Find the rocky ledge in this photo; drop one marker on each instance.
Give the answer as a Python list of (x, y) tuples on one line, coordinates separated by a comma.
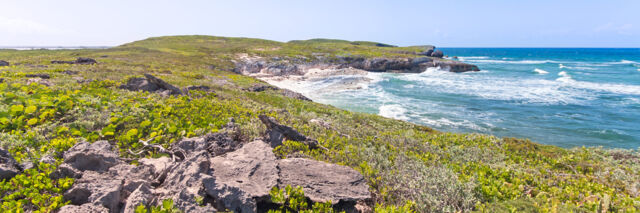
[(278, 67), (203, 174)]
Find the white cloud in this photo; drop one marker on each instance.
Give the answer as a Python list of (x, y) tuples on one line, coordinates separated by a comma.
[(23, 26), (622, 29)]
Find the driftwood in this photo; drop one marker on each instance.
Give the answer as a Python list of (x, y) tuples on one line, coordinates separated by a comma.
[(150, 147)]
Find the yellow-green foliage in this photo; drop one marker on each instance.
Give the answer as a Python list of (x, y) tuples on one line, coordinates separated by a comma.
[(166, 207), (408, 167), (292, 199)]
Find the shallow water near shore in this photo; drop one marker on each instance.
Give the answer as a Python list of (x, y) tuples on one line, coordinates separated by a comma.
[(559, 96)]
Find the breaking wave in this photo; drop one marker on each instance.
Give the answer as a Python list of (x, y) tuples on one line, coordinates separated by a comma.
[(539, 71)]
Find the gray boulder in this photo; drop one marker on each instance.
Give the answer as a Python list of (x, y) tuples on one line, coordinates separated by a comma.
[(8, 166), (324, 182), (437, 54), (4, 63), (98, 156), (243, 177)]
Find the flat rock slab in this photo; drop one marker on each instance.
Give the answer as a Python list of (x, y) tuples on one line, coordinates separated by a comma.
[(244, 175), (323, 181)]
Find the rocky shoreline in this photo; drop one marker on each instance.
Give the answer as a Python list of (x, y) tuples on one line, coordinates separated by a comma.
[(286, 73), (280, 67)]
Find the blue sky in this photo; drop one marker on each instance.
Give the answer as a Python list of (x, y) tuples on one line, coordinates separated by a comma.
[(488, 23)]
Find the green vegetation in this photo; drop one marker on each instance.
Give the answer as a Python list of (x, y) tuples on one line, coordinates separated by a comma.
[(166, 207), (407, 166), (293, 200)]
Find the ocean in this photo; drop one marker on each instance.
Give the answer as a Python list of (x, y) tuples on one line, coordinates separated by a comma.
[(561, 96)]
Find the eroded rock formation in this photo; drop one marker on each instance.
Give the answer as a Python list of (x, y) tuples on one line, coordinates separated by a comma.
[(211, 173), (264, 68)]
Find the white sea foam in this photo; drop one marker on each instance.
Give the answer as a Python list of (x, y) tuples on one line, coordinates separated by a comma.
[(465, 58), (563, 90), (491, 61), (444, 122), (539, 71), (562, 66), (627, 62), (395, 111)]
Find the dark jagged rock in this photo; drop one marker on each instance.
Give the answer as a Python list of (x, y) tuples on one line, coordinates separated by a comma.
[(456, 66), (8, 166), (292, 94), (427, 50), (69, 72), (38, 75), (260, 88), (81, 80), (277, 133), (79, 60), (150, 83), (4, 63), (284, 92), (200, 88), (437, 54)]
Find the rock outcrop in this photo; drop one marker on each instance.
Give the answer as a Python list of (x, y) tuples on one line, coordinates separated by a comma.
[(4, 63), (38, 75), (284, 92), (8, 166), (277, 133), (79, 60), (151, 83), (211, 173), (244, 177), (262, 68), (437, 54), (322, 181)]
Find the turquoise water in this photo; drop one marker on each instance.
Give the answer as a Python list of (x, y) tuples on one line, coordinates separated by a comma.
[(565, 97)]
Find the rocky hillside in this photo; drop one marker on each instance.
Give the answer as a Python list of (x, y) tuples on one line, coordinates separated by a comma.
[(169, 124)]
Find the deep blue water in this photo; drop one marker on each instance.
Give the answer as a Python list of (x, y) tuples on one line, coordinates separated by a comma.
[(561, 96)]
